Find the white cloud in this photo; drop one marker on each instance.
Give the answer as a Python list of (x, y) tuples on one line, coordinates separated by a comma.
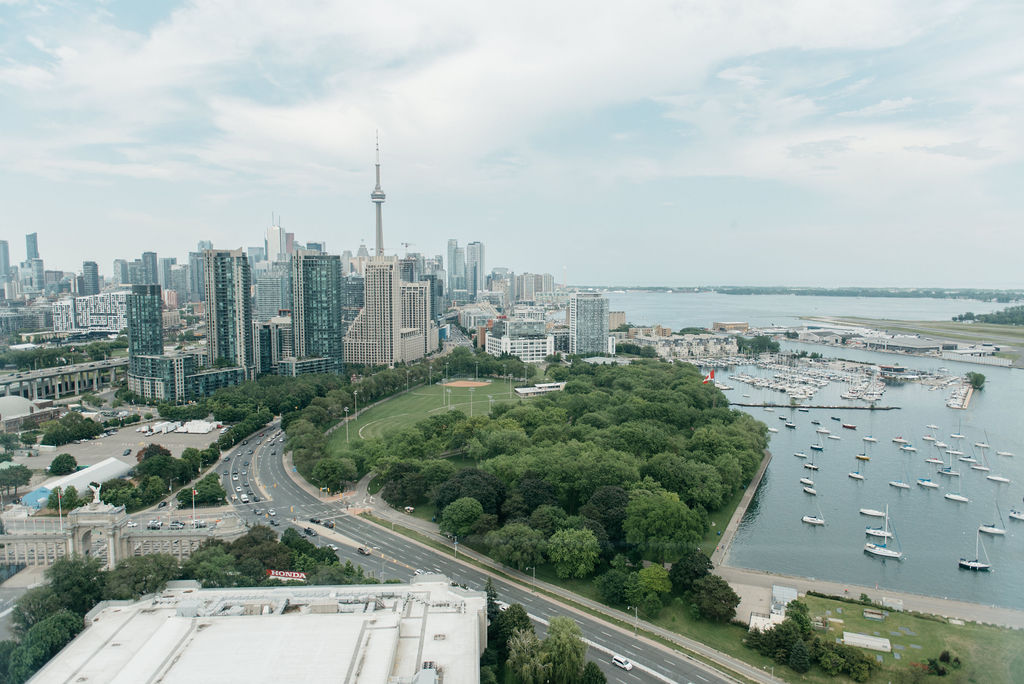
[(883, 107)]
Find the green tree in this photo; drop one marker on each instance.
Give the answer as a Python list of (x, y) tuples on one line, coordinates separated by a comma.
[(14, 476), (33, 606), (977, 380), (459, 517), (574, 552), (41, 643), (591, 672), (714, 599), (693, 565), (517, 544), (526, 657), (63, 464), (139, 575), (506, 624), (9, 442), (334, 472), (76, 580), (800, 656), (661, 525), (208, 491), (564, 650), (212, 566)]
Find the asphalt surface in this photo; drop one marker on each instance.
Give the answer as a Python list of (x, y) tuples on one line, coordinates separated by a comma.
[(396, 557)]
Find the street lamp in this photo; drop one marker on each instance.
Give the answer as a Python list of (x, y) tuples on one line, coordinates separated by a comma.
[(380, 573), (346, 424), (471, 401), (456, 538), (406, 380), (534, 568), (636, 617), (476, 373), (355, 398)]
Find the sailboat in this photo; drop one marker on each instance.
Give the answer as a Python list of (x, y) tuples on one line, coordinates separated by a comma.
[(948, 470), (869, 438), (771, 429), (800, 454), (957, 496), (871, 512), (814, 519), (977, 565), (811, 490), (882, 550), (1016, 515), (993, 528), (807, 481), (1004, 453), (926, 482), (855, 474)]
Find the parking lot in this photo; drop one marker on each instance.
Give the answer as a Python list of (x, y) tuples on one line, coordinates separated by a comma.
[(93, 451)]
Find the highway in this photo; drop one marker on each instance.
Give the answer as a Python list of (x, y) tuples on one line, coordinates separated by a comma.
[(395, 556)]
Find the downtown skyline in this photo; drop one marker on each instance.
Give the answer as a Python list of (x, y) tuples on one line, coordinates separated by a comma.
[(867, 146)]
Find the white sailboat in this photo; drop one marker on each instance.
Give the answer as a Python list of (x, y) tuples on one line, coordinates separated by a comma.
[(882, 550), (869, 438), (925, 482), (807, 481), (872, 513), (1004, 453), (957, 496), (977, 564), (811, 490), (1016, 515), (773, 429), (800, 454)]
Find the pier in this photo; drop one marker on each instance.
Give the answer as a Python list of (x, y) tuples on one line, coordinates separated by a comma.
[(823, 406)]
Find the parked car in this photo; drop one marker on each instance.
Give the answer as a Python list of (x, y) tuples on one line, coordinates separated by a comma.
[(363, 551), (132, 523), (161, 504), (310, 531)]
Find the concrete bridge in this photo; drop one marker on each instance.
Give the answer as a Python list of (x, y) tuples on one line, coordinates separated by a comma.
[(51, 383), (100, 530)]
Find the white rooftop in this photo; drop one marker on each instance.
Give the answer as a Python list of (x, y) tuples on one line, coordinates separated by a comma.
[(358, 634)]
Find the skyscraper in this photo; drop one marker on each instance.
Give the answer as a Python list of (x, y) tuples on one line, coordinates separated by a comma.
[(228, 307), (165, 271), (120, 276), (474, 268), (5, 259), (453, 245), (373, 337), (150, 273), (31, 246), (588, 323), (145, 321), (196, 282), (275, 246), (316, 306), (416, 315), (90, 278), (273, 292)]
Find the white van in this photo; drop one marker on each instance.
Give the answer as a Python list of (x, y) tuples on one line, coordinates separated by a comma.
[(619, 661), (245, 498)]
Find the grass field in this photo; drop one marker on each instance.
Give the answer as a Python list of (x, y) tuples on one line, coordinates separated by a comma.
[(408, 408), (988, 654)]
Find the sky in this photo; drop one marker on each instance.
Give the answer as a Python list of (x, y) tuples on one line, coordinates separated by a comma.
[(873, 143)]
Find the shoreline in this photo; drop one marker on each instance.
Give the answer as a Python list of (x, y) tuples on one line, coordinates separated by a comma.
[(759, 580)]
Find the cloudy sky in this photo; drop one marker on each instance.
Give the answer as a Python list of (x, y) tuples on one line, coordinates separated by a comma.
[(699, 142)]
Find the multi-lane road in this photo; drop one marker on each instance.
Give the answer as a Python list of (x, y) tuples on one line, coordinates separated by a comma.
[(394, 556)]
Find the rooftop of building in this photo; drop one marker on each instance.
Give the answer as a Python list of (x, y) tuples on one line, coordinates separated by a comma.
[(358, 633)]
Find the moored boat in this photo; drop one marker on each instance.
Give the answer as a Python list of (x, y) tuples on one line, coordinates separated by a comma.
[(925, 482)]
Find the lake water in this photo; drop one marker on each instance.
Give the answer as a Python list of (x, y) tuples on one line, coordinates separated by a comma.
[(933, 532)]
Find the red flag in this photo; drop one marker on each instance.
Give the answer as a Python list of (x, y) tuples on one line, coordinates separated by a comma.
[(194, 492), (709, 377)]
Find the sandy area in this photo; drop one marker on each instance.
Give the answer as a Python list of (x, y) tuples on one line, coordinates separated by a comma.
[(466, 383)]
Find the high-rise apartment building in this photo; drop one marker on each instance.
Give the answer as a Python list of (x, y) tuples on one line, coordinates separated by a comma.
[(228, 307), (588, 323), (196, 282), (373, 337), (475, 268), (145, 321), (90, 278), (31, 246), (120, 275), (5, 259), (272, 341), (150, 269), (273, 292), (165, 271), (316, 306), (416, 316)]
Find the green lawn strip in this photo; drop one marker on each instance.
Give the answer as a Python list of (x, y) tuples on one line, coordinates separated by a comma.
[(718, 521), (988, 654), (375, 485), (733, 647)]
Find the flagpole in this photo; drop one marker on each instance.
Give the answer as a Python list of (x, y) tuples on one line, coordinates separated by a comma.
[(60, 511)]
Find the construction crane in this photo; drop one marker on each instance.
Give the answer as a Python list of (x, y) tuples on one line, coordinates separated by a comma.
[(407, 245)]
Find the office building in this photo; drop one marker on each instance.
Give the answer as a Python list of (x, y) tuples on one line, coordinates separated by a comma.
[(316, 246), (150, 269), (228, 307), (196, 282), (475, 272), (165, 271), (316, 308), (527, 340), (435, 290), (37, 273), (90, 278), (120, 276), (275, 244), (31, 246), (423, 632), (588, 323), (5, 260), (178, 282)]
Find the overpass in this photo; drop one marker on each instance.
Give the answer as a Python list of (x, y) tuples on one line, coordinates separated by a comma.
[(51, 383)]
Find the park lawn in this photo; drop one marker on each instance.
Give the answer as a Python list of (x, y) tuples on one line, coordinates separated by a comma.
[(408, 408), (718, 521), (988, 654)]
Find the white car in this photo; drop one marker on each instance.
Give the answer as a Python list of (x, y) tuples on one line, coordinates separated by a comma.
[(132, 523), (271, 512), (619, 661), (238, 489)]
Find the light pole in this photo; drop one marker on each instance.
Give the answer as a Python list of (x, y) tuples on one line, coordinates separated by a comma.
[(449, 391), (407, 381), (471, 401), (346, 425), (534, 568), (636, 617), (456, 547), (490, 398), (380, 573), (355, 398), (476, 373)]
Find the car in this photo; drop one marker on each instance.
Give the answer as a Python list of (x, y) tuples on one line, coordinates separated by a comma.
[(132, 523), (177, 525), (161, 504), (257, 511), (315, 520), (619, 661), (245, 472), (255, 498), (234, 477), (271, 512), (238, 489), (198, 523), (273, 452), (126, 452), (310, 531), (274, 523), (246, 463), (329, 524), (416, 572), (246, 483), (362, 550), (227, 458), (332, 547)]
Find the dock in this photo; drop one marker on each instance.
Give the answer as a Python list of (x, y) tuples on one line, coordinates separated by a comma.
[(822, 406)]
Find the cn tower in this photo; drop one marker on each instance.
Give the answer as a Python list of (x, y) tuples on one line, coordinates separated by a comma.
[(378, 198)]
